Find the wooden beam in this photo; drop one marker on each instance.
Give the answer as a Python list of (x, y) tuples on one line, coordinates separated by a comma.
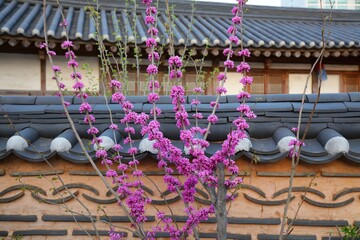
[(42, 58)]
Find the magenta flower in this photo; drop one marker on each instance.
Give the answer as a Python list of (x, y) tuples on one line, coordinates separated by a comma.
[(234, 39), (154, 55), (56, 68), (236, 20), (85, 107), (113, 126), (229, 64), (228, 51), (175, 74), (175, 61), (115, 84), (118, 97), (51, 53), (150, 19), (221, 90), (78, 85), (151, 10), (198, 90), (61, 85), (93, 131), (243, 95), (245, 52), (72, 63), (132, 151), (153, 97), (66, 44), (153, 31), (152, 69), (70, 54), (243, 67), (150, 42), (231, 30), (88, 118), (76, 75), (212, 118), (246, 80), (101, 153), (66, 104), (221, 77)]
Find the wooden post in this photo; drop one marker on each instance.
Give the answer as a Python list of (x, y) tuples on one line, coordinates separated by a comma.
[(42, 58)]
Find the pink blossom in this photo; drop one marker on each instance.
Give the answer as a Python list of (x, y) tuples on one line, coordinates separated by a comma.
[(137, 173), (150, 42), (231, 30), (153, 97), (85, 107), (61, 85), (56, 68), (153, 31), (66, 104), (154, 55), (147, 2), (228, 51), (88, 118), (51, 53), (152, 69), (64, 23), (42, 45), (175, 74), (294, 129), (115, 84), (246, 80), (234, 39), (150, 19), (245, 52), (66, 44), (175, 61), (198, 90), (243, 95), (113, 126), (118, 97), (117, 147), (222, 76), (76, 75), (235, 10), (78, 85), (236, 20), (195, 102), (229, 64), (243, 67), (212, 118), (221, 90), (198, 116), (70, 54), (132, 151), (155, 84), (93, 131), (213, 104), (101, 153), (72, 63), (151, 10)]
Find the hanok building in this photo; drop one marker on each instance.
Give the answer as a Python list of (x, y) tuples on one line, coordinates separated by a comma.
[(284, 43)]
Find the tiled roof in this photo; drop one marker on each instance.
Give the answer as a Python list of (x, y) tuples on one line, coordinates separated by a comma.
[(43, 130), (266, 27)]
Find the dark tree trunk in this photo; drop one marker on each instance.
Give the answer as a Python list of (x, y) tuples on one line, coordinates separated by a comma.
[(220, 206)]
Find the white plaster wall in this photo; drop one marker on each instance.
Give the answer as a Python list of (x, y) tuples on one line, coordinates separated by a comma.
[(91, 81), (19, 72), (232, 83), (297, 83), (331, 85)]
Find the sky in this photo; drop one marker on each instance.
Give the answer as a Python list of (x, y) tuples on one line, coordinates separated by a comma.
[(250, 2)]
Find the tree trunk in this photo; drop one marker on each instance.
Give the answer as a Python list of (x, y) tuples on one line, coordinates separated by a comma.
[(220, 206)]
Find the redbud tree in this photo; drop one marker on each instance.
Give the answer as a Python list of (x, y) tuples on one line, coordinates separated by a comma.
[(195, 168)]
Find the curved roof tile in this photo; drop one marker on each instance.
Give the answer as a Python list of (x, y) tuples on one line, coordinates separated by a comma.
[(264, 26), (41, 122)]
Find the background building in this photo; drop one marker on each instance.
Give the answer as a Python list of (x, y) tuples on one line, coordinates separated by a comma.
[(337, 4)]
